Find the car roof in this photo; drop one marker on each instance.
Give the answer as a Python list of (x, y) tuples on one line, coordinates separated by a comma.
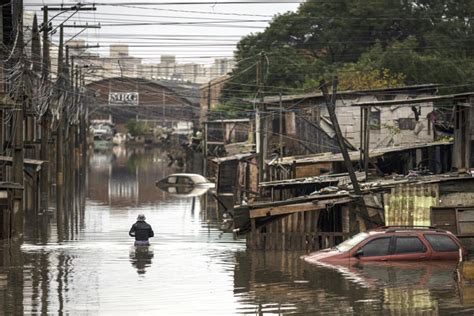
[(405, 229), (184, 175), (194, 176)]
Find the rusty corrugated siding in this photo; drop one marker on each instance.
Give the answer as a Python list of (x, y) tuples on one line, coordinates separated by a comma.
[(410, 204)]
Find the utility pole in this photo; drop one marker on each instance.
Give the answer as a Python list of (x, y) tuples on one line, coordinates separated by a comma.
[(331, 106), (18, 119), (260, 122), (62, 78), (204, 136), (45, 120), (35, 46), (59, 141)]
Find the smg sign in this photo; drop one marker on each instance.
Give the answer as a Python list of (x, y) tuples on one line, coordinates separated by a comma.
[(123, 98)]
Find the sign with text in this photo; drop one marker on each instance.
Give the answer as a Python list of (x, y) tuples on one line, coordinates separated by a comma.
[(123, 98)]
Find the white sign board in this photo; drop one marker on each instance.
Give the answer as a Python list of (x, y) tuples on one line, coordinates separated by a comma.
[(123, 98)]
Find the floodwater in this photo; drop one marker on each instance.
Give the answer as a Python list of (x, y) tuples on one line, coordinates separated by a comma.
[(193, 267)]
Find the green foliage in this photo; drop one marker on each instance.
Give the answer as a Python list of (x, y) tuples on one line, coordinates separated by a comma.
[(229, 110), (136, 128), (366, 43)]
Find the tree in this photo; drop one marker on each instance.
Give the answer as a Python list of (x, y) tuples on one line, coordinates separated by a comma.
[(136, 128), (367, 43)]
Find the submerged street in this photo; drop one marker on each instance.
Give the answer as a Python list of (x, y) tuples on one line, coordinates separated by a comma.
[(192, 267), (255, 157)]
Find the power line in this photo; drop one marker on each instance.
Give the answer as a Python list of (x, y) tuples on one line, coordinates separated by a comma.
[(171, 3)]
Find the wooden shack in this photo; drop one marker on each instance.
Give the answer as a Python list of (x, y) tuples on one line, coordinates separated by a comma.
[(300, 125), (305, 223), (435, 156), (235, 178), (227, 137), (323, 220), (463, 130)]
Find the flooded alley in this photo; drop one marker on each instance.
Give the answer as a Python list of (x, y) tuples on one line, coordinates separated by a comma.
[(193, 267), (255, 157)]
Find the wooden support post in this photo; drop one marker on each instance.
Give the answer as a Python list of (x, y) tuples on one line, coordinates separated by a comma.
[(281, 127), (2, 138), (361, 139), (18, 165), (204, 149), (261, 122), (331, 106), (366, 140)]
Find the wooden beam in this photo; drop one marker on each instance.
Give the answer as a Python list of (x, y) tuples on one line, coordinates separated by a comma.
[(296, 208)]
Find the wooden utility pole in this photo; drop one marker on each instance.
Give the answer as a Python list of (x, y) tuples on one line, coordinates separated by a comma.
[(45, 120), (35, 46), (18, 118), (45, 29), (31, 132), (60, 139), (331, 106)]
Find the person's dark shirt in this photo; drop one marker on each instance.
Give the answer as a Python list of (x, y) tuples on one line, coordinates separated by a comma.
[(141, 231)]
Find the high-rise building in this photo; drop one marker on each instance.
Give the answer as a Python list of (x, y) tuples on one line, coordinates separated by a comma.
[(118, 50), (221, 66)]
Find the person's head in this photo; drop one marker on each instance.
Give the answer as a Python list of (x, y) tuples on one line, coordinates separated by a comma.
[(141, 218)]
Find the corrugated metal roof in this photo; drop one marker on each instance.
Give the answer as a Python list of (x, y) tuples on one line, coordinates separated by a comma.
[(354, 155), (234, 157), (188, 91), (416, 100), (286, 98)]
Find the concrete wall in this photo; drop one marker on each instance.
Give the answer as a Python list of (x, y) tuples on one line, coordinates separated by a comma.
[(388, 134)]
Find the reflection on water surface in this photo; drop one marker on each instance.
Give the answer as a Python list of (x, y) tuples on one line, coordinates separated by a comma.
[(192, 267)]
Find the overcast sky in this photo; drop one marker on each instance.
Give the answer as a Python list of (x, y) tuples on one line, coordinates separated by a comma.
[(209, 30)]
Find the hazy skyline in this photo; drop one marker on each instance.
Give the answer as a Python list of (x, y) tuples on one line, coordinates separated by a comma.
[(192, 32)]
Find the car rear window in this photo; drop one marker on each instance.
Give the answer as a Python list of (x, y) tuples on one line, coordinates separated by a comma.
[(441, 243), (408, 245), (376, 247)]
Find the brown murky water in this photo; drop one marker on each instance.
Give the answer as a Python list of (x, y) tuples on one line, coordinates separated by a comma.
[(192, 268)]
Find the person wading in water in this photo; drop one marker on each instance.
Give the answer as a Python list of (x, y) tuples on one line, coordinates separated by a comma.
[(141, 230)]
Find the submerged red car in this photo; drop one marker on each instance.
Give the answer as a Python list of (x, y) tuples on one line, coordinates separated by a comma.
[(393, 244)]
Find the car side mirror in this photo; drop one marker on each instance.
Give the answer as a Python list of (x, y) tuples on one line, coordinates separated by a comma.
[(359, 253)]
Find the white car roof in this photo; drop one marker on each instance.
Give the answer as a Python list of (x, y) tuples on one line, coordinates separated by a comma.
[(194, 176)]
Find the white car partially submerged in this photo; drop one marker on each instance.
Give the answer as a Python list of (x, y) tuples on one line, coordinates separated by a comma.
[(188, 184)]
